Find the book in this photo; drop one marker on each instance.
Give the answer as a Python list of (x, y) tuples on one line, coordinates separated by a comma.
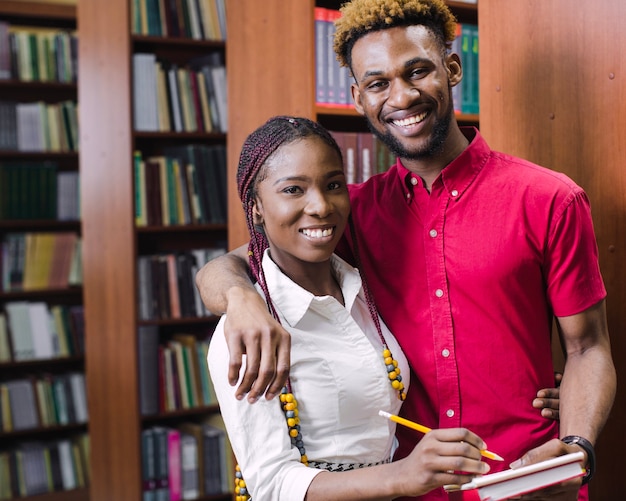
[(174, 464), (23, 404), (195, 430), (145, 101), (148, 465), (189, 466), (148, 346), (20, 330), (227, 456), (5, 348), (321, 48), (351, 156), (215, 473), (515, 482), (43, 340)]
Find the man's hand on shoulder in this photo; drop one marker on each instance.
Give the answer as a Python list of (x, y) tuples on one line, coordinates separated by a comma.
[(251, 330)]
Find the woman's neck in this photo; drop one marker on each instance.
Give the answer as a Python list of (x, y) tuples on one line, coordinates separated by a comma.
[(317, 278)]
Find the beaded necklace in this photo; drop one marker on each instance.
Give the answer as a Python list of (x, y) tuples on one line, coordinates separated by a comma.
[(290, 404)]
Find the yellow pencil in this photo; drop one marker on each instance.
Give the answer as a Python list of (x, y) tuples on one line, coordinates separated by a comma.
[(426, 429)]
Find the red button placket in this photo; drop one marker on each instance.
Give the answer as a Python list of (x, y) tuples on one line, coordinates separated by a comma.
[(447, 376)]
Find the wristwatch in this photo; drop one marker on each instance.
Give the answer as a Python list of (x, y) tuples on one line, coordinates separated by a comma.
[(587, 446)]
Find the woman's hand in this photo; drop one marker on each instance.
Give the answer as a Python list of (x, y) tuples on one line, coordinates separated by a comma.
[(442, 457)]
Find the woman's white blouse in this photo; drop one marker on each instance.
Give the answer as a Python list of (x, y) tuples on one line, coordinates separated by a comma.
[(338, 378)]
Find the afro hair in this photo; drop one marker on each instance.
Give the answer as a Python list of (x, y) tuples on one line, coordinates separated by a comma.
[(360, 17)]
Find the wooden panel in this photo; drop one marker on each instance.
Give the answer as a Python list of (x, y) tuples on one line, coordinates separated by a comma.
[(553, 91), (270, 47), (109, 249)]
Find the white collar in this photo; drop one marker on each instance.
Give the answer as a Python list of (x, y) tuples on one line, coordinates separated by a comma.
[(292, 301)]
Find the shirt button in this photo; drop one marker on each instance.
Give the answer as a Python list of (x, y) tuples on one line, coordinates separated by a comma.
[(454, 193), (450, 413), (413, 181), (408, 196), (446, 353), (439, 293), (433, 233)]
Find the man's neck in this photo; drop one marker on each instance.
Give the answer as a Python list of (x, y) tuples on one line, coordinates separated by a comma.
[(429, 168)]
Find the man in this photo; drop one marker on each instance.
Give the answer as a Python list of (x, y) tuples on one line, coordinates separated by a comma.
[(469, 253)]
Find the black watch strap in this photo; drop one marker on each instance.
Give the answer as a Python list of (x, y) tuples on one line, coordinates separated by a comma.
[(588, 448)]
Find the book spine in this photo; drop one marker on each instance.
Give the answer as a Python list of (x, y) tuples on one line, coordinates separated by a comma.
[(321, 49), (174, 465)]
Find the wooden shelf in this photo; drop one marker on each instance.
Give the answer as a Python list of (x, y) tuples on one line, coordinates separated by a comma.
[(72, 495), (38, 225), (43, 364), (51, 294), (44, 432), (180, 413), (30, 91), (178, 137), (43, 13), (188, 321), (178, 228)]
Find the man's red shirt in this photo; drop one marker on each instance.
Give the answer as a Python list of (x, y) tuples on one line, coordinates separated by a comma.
[(468, 278)]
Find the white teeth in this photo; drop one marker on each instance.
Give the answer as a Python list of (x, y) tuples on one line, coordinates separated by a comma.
[(405, 122), (318, 233)]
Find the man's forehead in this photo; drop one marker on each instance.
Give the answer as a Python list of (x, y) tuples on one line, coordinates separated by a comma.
[(389, 46)]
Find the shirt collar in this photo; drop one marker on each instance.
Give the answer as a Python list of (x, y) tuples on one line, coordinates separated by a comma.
[(459, 174), (293, 302)]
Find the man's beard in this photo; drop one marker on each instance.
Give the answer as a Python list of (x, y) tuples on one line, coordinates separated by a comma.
[(433, 147)]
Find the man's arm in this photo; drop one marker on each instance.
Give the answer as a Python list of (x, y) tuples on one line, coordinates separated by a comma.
[(588, 387), (589, 380), (225, 287)]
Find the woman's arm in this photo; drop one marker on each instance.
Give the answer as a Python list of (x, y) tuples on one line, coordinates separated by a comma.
[(432, 464)]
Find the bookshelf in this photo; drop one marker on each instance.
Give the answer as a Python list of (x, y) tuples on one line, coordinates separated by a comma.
[(42, 364), (277, 40), (120, 142)]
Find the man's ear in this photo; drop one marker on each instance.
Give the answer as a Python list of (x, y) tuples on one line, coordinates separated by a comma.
[(356, 97), (454, 69)]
